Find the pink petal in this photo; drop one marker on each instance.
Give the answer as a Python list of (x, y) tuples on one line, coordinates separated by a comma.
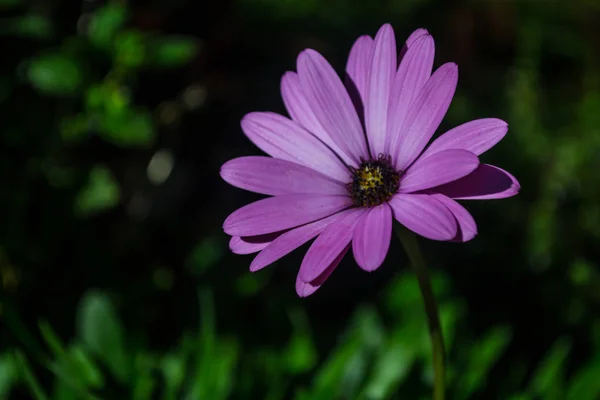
[(411, 39), (358, 65), (300, 111), (467, 228), (383, 70), (274, 177), (291, 240), (475, 136), (371, 240), (306, 289), (437, 169), (413, 73), (250, 244), (485, 183), (424, 215), (275, 214), (425, 114), (328, 246), (282, 138), (331, 104)]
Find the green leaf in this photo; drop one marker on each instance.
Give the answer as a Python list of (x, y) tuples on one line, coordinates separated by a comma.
[(143, 382), (51, 338), (130, 49), (300, 354), (100, 193), (85, 367), (585, 384), (129, 128), (26, 372), (341, 374), (8, 374), (392, 366), (483, 355), (55, 74), (172, 51), (215, 359), (205, 255), (29, 26), (9, 3), (173, 367), (100, 331), (105, 24), (548, 378)]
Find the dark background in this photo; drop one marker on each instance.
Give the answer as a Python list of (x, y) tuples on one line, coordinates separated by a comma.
[(116, 279)]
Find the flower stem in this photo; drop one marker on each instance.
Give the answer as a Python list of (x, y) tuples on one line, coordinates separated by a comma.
[(409, 241)]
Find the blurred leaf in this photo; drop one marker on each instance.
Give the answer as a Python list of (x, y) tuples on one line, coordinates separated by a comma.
[(172, 51), (548, 379), (52, 340), (75, 127), (143, 382), (8, 374), (129, 128), (75, 373), (55, 74), (585, 384), (130, 49), (100, 193), (482, 357), (9, 3), (100, 330), (173, 367), (216, 359), (392, 366), (521, 396), (205, 255), (85, 367), (105, 23), (300, 354), (345, 369), (29, 26), (26, 372)]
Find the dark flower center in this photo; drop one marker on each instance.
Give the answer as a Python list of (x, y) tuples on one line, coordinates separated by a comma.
[(374, 182)]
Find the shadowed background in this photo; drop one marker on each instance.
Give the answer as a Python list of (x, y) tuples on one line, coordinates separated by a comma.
[(116, 278)]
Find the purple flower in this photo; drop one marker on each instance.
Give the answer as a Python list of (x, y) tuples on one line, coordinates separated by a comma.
[(353, 157)]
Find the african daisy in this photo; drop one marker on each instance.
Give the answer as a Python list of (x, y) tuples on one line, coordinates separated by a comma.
[(353, 158)]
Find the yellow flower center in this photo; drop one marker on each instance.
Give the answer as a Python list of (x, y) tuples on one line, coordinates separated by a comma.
[(374, 182)]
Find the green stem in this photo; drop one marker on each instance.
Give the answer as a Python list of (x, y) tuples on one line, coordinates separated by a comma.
[(409, 241)]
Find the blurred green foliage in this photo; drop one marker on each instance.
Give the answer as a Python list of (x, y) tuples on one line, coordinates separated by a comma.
[(114, 288)]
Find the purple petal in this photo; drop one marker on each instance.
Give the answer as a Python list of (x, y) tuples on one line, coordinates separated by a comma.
[(467, 228), (282, 138), (475, 136), (411, 39), (275, 214), (413, 73), (485, 183), (328, 246), (275, 177), (250, 244), (331, 104), (382, 72), (358, 66), (306, 289), (424, 215), (437, 169), (300, 111), (291, 240), (371, 240), (425, 114)]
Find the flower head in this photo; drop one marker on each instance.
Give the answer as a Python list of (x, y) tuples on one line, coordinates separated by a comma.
[(354, 156)]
